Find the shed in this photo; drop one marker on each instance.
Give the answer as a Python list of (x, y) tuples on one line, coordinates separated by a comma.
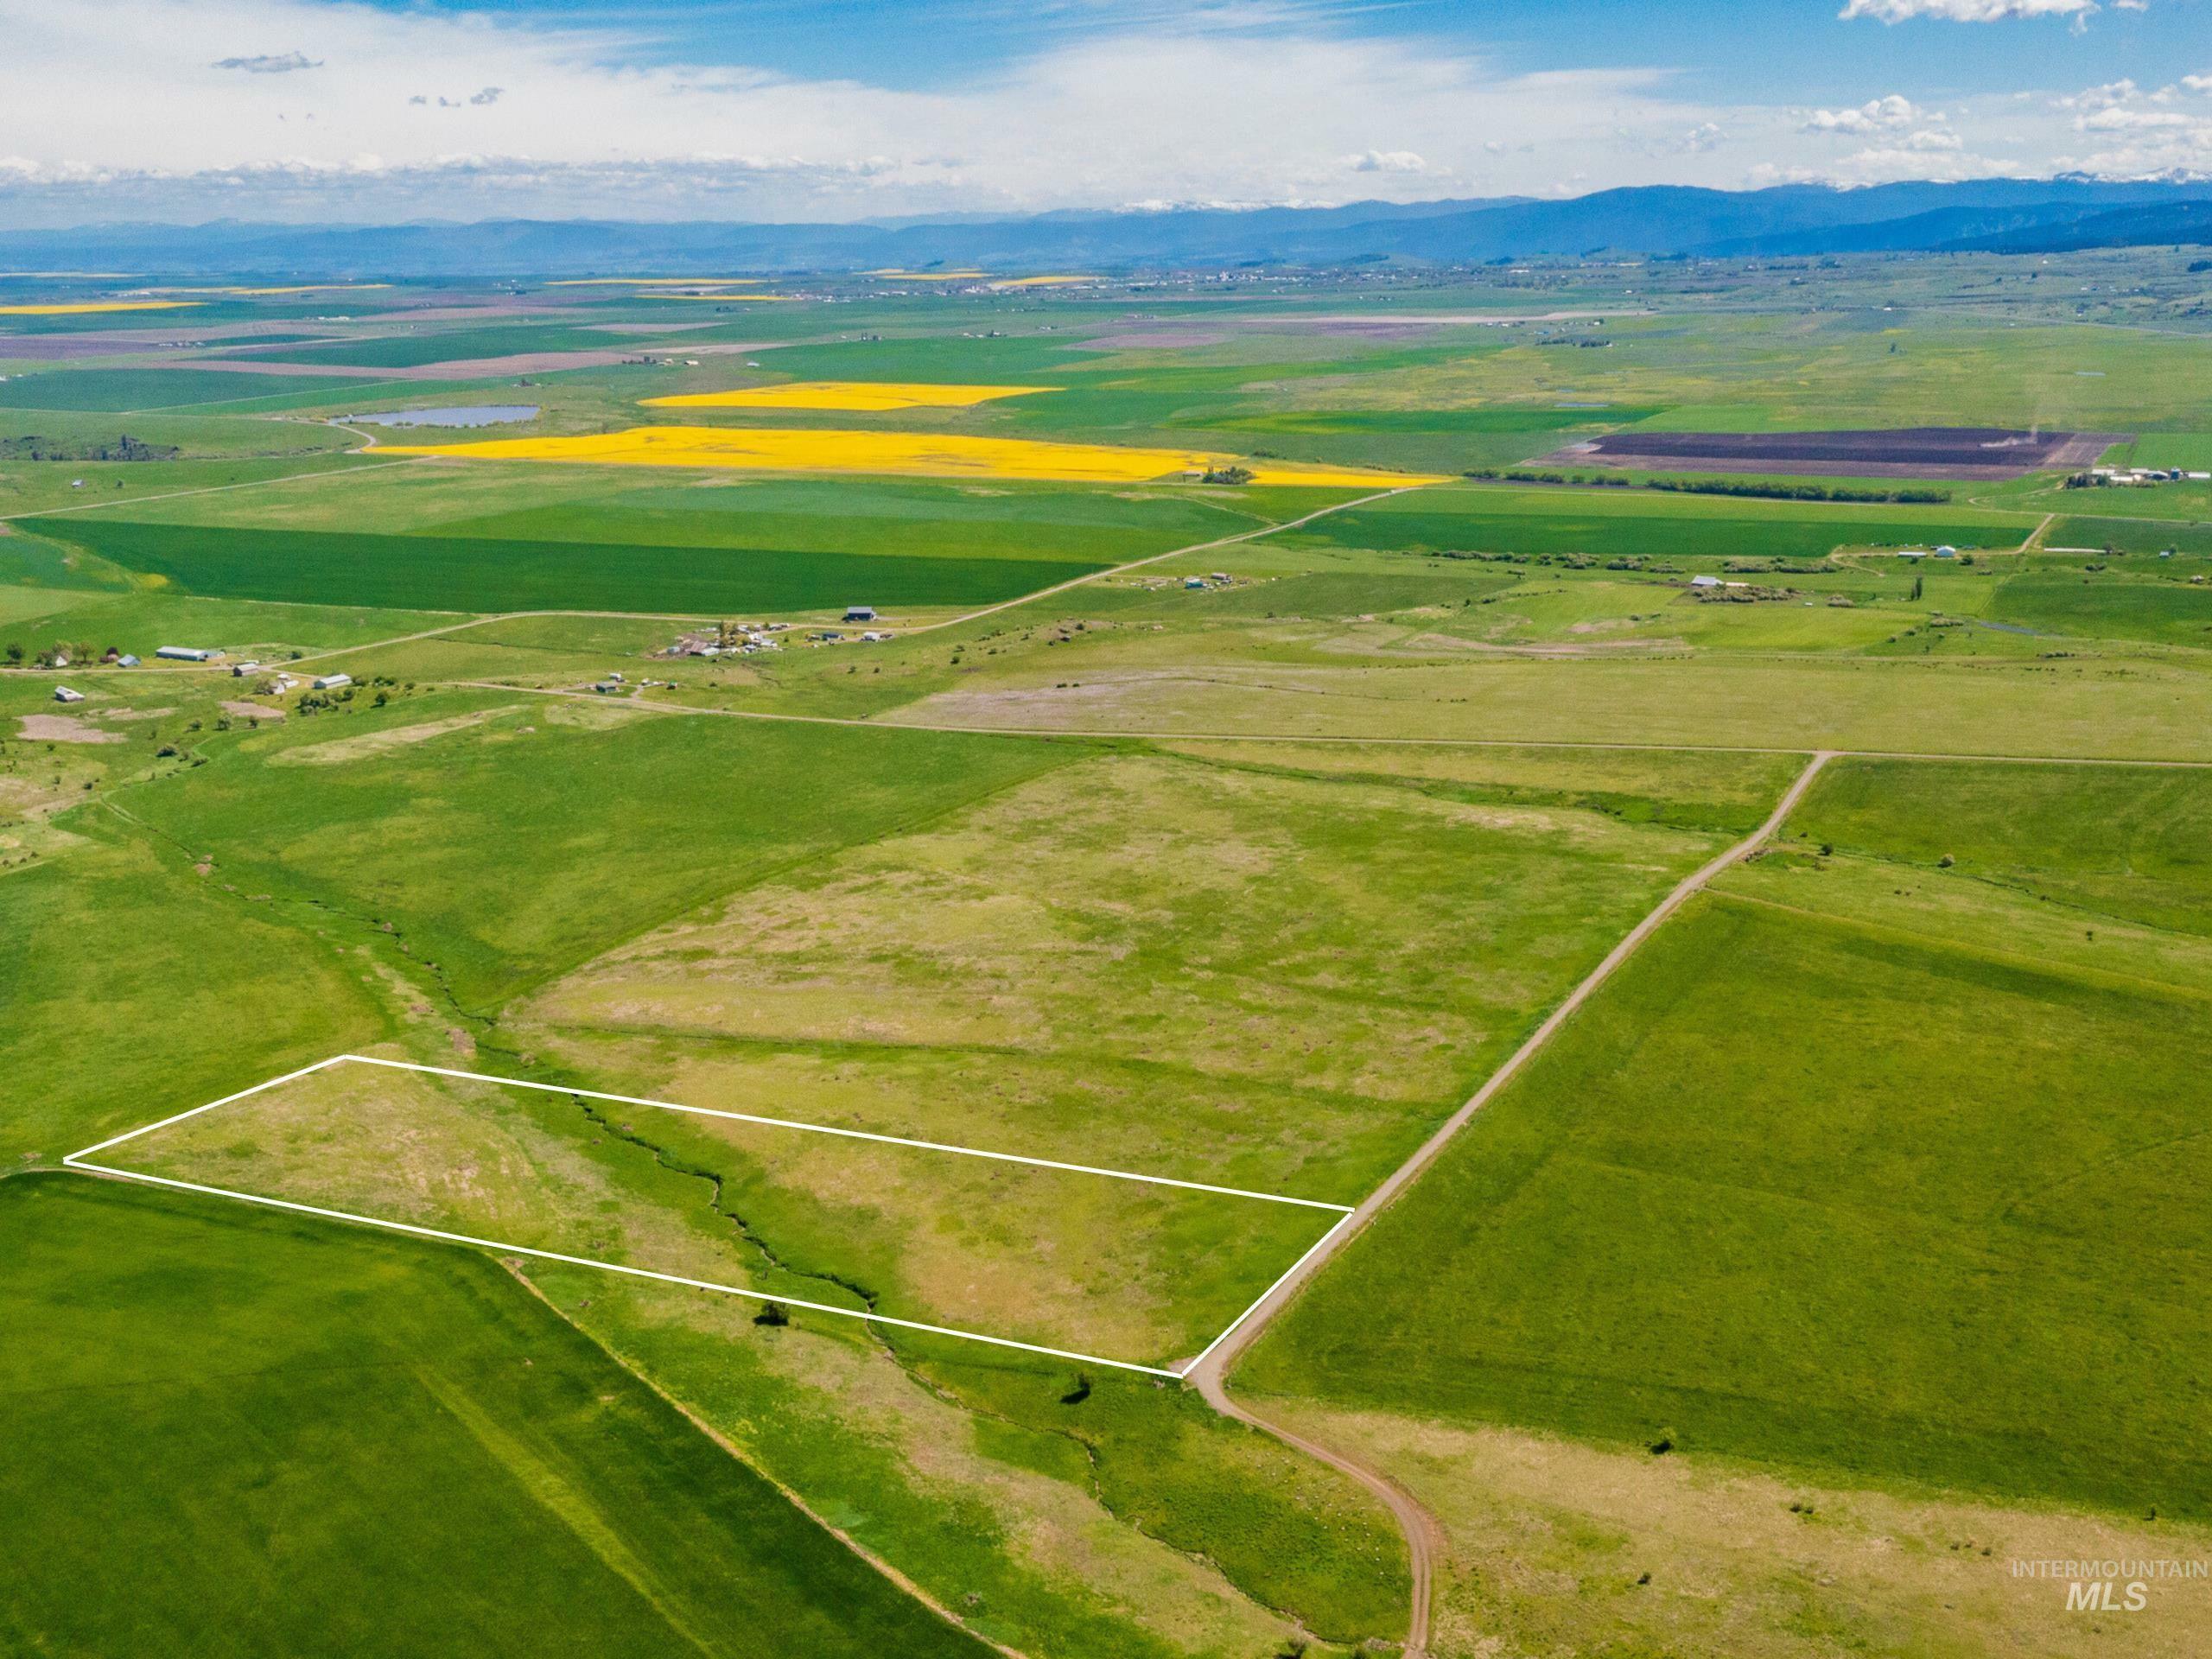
[(1705, 581), (332, 681), (187, 654), (860, 613), (63, 694)]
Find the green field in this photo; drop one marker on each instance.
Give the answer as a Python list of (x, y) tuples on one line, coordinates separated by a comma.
[(1779, 1194), (1636, 524), (414, 351), (479, 574), (2137, 536), (2107, 606), (139, 389), (373, 1447), (306, 809)]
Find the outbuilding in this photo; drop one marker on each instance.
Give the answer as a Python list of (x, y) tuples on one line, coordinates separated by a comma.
[(332, 681), (187, 654), (860, 613), (63, 694), (1705, 581)]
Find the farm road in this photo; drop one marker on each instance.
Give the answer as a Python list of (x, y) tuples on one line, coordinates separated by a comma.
[(1210, 1376)]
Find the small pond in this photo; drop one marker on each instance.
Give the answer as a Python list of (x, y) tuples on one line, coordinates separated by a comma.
[(472, 415)]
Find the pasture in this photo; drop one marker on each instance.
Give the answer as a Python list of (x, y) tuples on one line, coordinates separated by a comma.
[(1138, 1273), (412, 1451), (1777, 1195)]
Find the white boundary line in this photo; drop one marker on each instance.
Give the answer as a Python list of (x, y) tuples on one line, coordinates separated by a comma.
[(82, 1161)]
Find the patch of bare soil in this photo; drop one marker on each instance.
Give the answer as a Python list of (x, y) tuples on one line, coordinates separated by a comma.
[(60, 729), (1958, 453)]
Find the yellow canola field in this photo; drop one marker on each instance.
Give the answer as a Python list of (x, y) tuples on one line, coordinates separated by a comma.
[(897, 275), (874, 396), (84, 307), (929, 455), (1043, 282)]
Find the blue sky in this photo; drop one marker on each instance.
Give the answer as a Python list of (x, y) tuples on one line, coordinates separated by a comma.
[(841, 109), (1790, 49)]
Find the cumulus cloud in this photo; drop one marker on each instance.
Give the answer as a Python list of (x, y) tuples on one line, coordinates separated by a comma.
[(2102, 98), (2197, 83), (1968, 12), (277, 63), (1386, 160), (1878, 115)]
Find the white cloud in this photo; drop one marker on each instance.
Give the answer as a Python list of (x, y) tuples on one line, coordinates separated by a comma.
[(2119, 120), (2197, 83), (270, 63), (1878, 115), (417, 111), (1244, 104), (1386, 160), (2102, 98), (1967, 11)]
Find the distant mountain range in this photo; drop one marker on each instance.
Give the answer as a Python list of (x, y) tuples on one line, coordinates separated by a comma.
[(2008, 215)]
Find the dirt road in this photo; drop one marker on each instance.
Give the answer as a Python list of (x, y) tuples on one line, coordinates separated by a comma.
[(1424, 1538)]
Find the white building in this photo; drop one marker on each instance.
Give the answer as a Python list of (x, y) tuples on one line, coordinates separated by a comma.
[(332, 681), (63, 694), (187, 654)]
